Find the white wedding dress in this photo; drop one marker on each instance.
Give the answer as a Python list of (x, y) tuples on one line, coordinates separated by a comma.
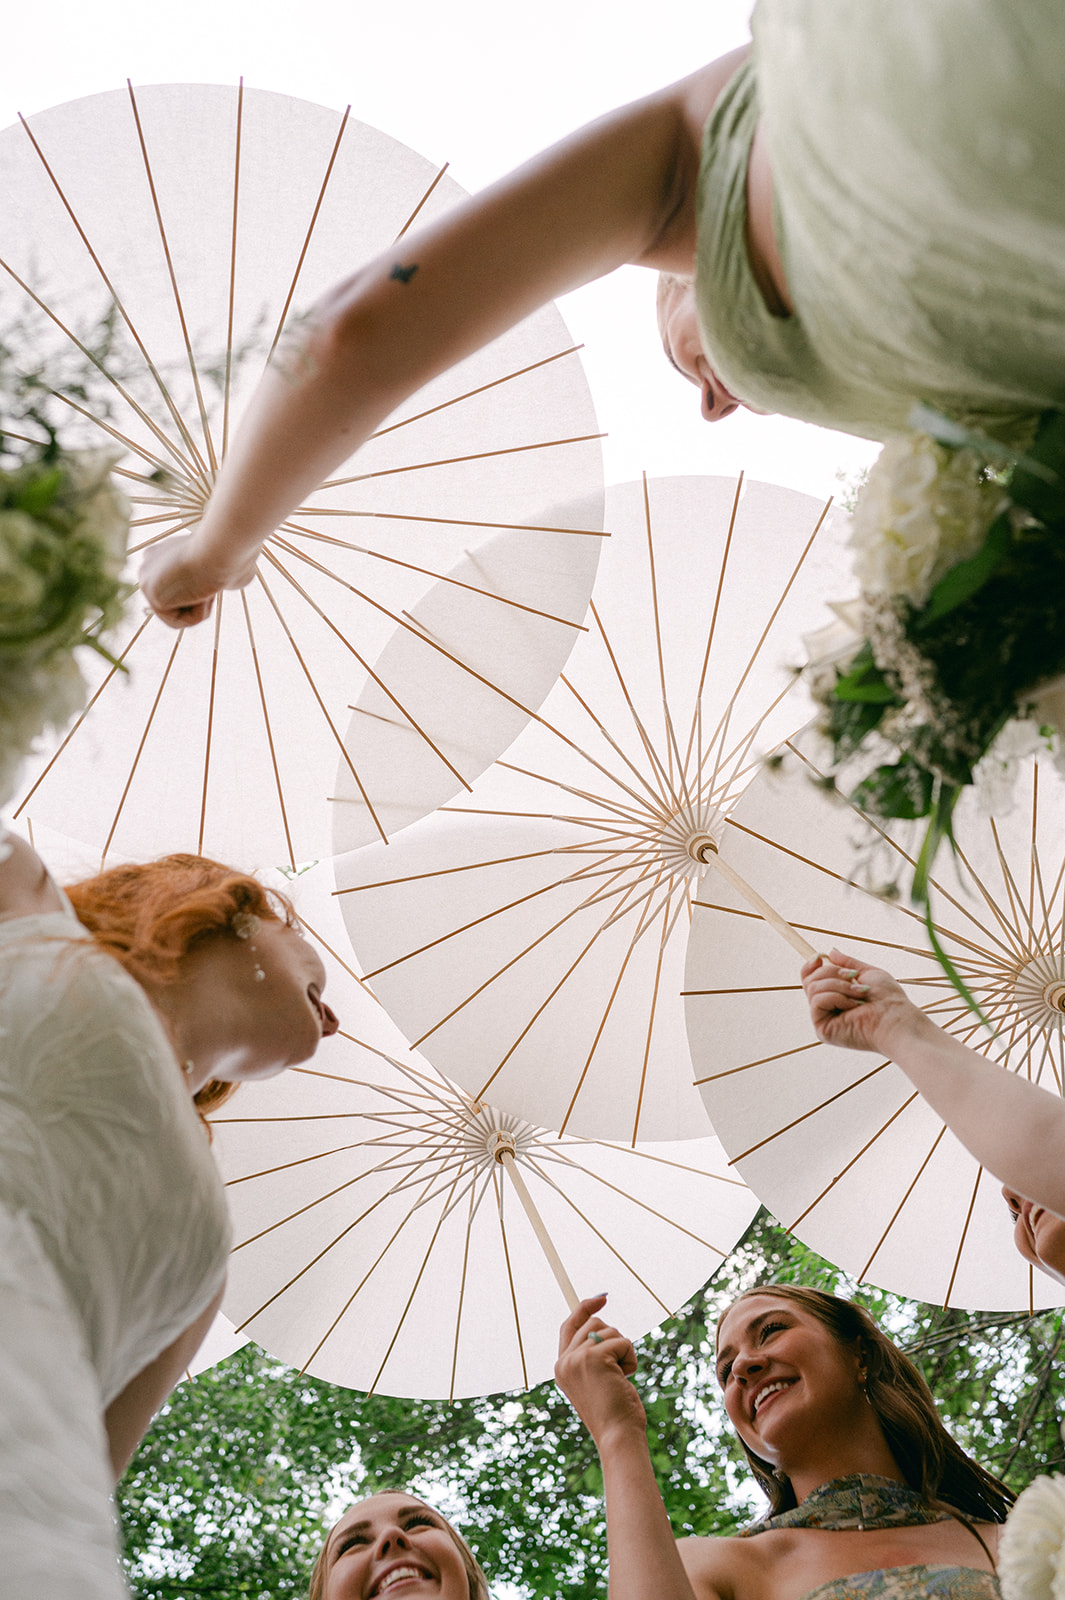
[(113, 1240)]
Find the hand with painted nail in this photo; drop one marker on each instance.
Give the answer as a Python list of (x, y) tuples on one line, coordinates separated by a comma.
[(854, 1004), (594, 1364)]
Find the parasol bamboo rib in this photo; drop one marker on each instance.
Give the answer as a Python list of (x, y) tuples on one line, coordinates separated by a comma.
[(210, 724), (311, 226), (175, 414), (408, 566), (458, 461), (483, 388), (227, 384), (178, 305), (266, 724)]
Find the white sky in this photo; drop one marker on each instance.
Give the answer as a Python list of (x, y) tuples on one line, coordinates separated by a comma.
[(481, 84)]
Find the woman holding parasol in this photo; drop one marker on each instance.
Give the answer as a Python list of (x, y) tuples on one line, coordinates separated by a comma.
[(869, 1495), (860, 213), (1012, 1126)]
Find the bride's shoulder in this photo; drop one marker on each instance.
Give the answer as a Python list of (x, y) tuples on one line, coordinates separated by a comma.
[(26, 889)]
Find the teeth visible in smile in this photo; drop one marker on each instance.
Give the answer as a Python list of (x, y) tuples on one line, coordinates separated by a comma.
[(396, 1576), (770, 1388)]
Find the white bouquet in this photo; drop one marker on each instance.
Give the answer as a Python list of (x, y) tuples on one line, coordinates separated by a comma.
[(63, 531)]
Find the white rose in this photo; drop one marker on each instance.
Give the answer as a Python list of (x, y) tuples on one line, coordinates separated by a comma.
[(1030, 1565), (923, 509), (103, 510)]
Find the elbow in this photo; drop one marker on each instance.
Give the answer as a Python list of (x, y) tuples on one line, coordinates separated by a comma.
[(350, 340)]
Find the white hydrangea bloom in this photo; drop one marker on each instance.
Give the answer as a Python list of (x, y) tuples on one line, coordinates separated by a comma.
[(1030, 1554), (922, 510), (41, 685), (103, 508), (34, 696)]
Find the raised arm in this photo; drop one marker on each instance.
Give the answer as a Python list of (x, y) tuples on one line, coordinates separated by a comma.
[(1013, 1127), (593, 1372), (621, 190)]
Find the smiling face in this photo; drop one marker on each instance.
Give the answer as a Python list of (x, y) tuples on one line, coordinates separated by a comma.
[(1038, 1234), (393, 1544), (788, 1383), (681, 341)]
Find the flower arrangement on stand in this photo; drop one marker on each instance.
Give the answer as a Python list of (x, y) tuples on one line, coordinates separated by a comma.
[(947, 671), (63, 531)]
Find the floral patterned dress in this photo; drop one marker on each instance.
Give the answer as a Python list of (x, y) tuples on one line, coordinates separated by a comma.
[(864, 1501)]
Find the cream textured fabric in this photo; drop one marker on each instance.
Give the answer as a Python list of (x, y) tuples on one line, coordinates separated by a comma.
[(113, 1235), (917, 151)]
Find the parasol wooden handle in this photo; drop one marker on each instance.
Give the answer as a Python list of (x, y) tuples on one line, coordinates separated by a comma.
[(506, 1159), (709, 855)]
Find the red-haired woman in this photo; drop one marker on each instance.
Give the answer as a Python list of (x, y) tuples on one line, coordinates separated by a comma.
[(126, 1006)]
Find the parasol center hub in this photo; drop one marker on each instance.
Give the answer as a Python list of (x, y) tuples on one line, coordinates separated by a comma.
[(502, 1145), (1039, 991), (687, 841), (1054, 995)]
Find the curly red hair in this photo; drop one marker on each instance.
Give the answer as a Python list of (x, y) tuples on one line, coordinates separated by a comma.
[(149, 915)]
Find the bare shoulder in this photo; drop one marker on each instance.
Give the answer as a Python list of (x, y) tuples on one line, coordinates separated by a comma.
[(722, 1568), (26, 890)]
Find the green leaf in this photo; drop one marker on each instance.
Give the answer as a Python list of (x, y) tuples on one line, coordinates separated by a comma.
[(944, 430), (963, 581), (1038, 482), (899, 789), (872, 693), (36, 496)]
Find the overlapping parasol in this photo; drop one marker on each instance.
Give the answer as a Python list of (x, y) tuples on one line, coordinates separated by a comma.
[(200, 219), (835, 1142), (529, 939), (381, 1239)]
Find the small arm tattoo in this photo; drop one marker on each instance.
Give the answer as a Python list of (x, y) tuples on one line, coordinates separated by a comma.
[(404, 274)]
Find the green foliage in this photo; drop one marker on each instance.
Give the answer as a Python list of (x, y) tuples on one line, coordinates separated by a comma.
[(232, 1491)]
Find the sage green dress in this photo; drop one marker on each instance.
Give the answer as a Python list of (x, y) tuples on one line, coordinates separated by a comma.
[(918, 154), (864, 1501)]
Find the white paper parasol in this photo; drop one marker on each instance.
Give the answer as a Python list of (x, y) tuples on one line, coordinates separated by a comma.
[(208, 216), (382, 1245), (837, 1143), (529, 939)]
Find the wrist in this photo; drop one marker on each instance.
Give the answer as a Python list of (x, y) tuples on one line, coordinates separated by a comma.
[(623, 1441), (904, 1029)]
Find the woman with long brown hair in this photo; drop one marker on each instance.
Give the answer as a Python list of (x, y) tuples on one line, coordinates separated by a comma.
[(868, 1494), (126, 1007)]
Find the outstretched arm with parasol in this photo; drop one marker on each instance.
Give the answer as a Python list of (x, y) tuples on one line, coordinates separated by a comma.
[(621, 190), (1013, 1127)]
